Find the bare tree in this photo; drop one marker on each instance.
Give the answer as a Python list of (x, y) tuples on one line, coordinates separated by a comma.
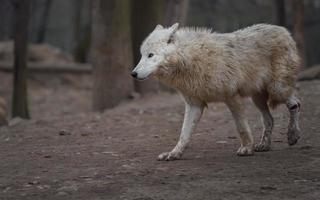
[(6, 15), (111, 52), (20, 103), (176, 11), (298, 29), (280, 12), (146, 14), (80, 34), (3, 112), (44, 21)]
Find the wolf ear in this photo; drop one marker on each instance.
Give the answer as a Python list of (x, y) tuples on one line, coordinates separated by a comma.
[(158, 27), (173, 29)]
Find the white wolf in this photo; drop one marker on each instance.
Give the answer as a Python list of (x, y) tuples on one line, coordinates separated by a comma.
[(260, 62)]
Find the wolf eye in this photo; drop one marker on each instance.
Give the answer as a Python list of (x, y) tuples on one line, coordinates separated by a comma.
[(150, 55)]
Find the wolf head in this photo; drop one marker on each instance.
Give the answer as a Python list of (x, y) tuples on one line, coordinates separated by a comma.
[(155, 50)]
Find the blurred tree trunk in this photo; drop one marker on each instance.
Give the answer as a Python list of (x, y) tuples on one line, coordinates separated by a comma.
[(3, 112), (20, 102), (111, 52), (298, 28), (146, 14), (7, 18), (44, 21), (280, 12), (80, 43), (176, 11)]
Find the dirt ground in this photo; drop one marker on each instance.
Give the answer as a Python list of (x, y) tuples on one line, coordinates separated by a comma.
[(67, 152)]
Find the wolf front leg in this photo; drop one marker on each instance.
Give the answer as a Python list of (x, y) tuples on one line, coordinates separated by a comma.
[(192, 115), (237, 110)]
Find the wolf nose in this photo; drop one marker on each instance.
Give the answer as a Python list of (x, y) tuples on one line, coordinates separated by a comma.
[(134, 74)]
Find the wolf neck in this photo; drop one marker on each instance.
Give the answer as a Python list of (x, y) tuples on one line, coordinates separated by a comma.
[(187, 76), (184, 73)]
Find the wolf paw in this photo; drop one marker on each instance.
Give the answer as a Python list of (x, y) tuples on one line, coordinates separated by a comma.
[(169, 156), (245, 151), (293, 136), (262, 146)]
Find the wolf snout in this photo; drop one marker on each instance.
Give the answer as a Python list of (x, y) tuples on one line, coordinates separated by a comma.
[(134, 74)]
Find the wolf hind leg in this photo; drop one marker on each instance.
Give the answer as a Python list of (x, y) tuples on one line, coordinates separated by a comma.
[(261, 102), (293, 105), (236, 107)]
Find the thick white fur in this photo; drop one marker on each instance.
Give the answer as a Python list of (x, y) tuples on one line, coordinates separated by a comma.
[(260, 61)]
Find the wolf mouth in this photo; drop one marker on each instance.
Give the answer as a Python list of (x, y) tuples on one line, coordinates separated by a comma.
[(142, 79)]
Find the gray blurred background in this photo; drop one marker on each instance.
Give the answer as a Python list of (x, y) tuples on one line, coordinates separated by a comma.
[(66, 24), (82, 51)]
